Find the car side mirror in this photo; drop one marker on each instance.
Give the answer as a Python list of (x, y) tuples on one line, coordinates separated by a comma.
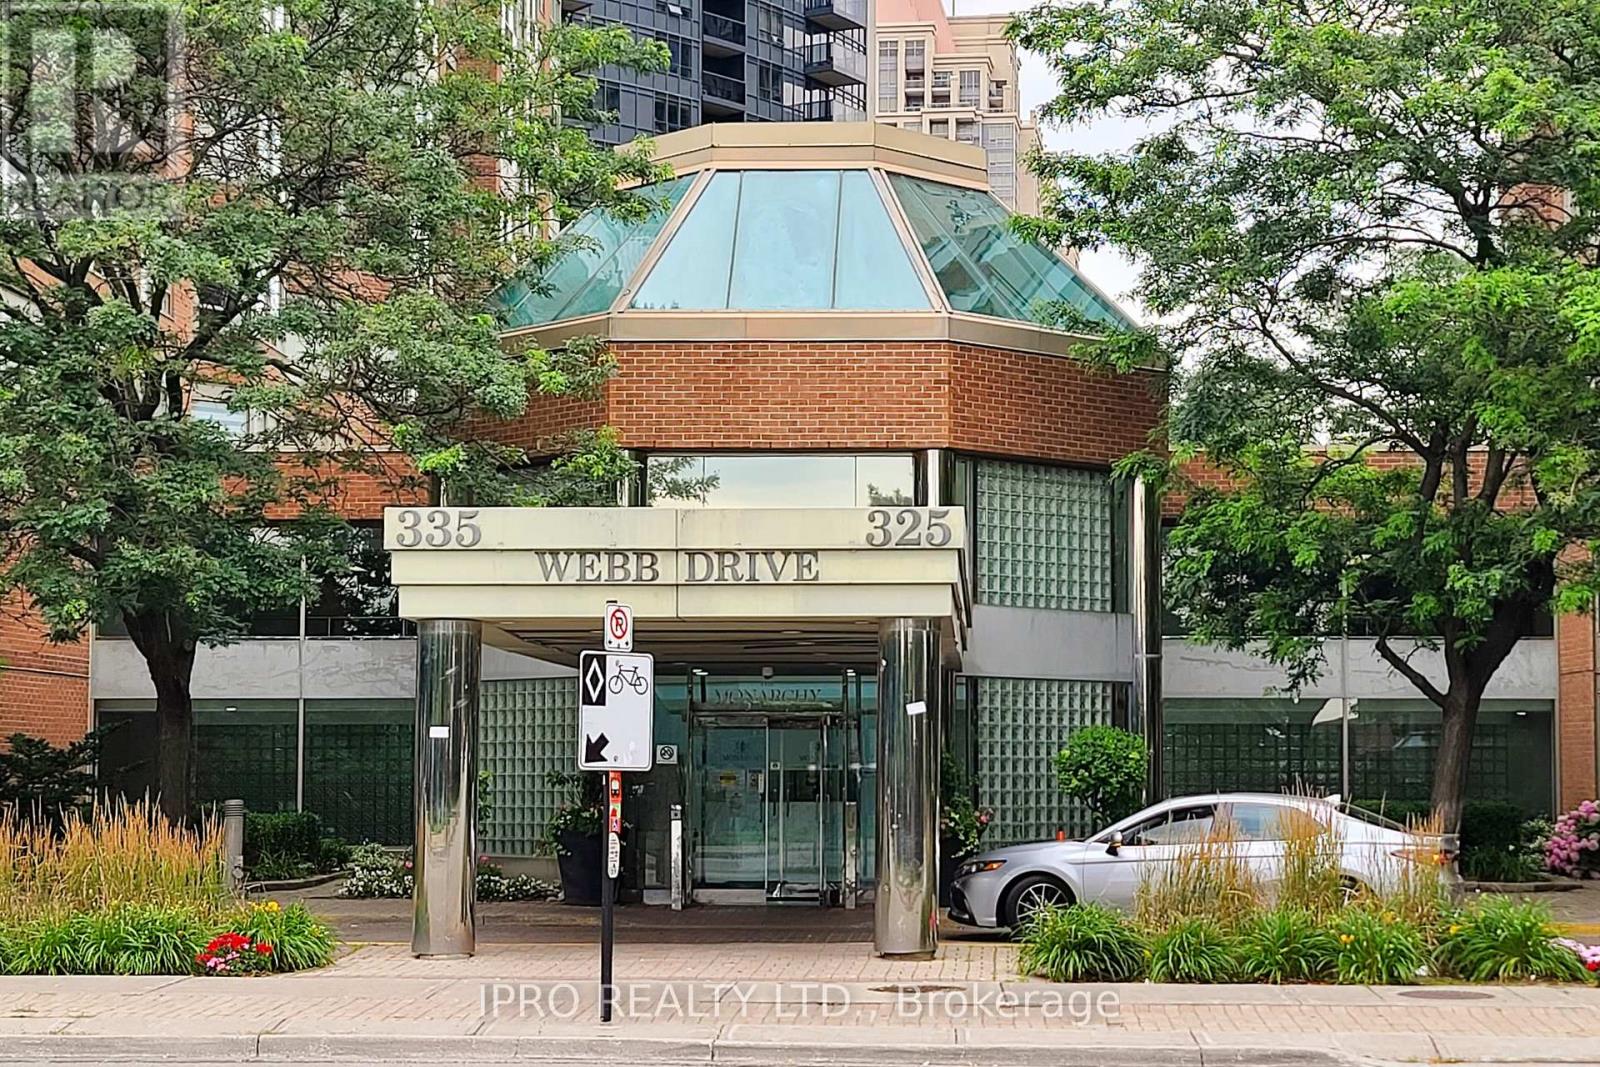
[(1116, 843)]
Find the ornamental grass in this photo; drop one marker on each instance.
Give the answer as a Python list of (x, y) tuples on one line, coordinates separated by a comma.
[(121, 890)]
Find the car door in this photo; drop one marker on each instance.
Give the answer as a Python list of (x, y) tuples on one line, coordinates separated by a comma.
[(1147, 847), (1257, 828)]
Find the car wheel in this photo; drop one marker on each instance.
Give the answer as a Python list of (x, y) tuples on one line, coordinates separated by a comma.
[(1030, 895)]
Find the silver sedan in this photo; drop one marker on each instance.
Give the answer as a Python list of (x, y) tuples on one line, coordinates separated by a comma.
[(1005, 886)]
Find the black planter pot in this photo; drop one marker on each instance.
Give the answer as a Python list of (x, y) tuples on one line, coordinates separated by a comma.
[(949, 864), (579, 859)]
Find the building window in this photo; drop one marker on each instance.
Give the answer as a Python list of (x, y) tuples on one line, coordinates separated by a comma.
[(358, 602), (916, 58), (608, 98), (769, 83), (673, 113), (781, 480), (888, 75), (917, 125), (769, 25), (941, 80), (970, 81), (997, 95), (1045, 537), (939, 127), (1272, 745), (682, 52), (966, 131)]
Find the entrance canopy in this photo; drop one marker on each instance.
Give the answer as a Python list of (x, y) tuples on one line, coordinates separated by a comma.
[(737, 585)]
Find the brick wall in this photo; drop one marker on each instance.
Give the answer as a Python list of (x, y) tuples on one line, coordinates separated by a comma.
[(1575, 708), (44, 687), (871, 395)]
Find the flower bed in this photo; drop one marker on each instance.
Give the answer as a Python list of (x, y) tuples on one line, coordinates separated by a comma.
[(377, 873), (121, 891), (1203, 918)]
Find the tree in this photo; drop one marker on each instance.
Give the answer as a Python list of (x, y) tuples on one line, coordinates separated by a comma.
[(1104, 768), (292, 210), (1368, 225)]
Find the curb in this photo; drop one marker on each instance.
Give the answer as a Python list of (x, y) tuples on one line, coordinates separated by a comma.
[(1074, 1049)]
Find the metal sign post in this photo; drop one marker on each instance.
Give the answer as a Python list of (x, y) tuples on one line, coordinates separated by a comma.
[(608, 890), (616, 733)]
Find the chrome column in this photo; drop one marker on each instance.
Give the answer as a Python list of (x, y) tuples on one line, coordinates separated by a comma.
[(906, 916), (1144, 600), (449, 659)]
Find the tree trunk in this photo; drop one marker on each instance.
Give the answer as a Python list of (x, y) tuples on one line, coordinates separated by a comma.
[(168, 652), (1460, 720)]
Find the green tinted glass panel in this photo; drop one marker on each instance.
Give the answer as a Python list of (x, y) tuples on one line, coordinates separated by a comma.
[(982, 266), (873, 272), (1045, 537), (527, 729), (783, 252), (1021, 724), (693, 270), (599, 254), (358, 769), (786, 240)]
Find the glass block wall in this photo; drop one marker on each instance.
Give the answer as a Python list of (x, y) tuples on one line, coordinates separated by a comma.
[(1044, 537), (358, 771), (1022, 724), (527, 728)]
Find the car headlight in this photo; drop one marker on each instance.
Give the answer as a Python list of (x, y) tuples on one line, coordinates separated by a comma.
[(979, 867)]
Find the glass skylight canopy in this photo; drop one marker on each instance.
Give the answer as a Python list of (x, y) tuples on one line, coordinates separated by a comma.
[(814, 239)]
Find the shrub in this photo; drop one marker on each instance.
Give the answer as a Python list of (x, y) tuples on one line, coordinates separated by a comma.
[(1494, 865), (1194, 950), (39, 780), (1574, 845), (1105, 769), (1286, 944), (1208, 878), (1377, 948), (1082, 943), (1503, 940), (289, 844)]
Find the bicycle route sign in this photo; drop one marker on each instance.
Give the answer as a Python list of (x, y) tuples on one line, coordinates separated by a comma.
[(616, 711)]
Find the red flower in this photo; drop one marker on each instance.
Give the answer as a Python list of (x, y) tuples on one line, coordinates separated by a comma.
[(227, 942), (263, 948), (1593, 965)]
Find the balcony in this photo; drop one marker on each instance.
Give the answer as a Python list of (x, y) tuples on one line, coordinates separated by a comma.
[(721, 95), (816, 111), (836, 62), (721, 35), (837, 14)]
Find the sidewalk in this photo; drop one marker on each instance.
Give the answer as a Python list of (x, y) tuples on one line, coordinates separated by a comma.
[(778, 1002)]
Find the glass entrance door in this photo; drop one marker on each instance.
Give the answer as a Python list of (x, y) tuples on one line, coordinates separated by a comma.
[(797, 799), (731, 839)]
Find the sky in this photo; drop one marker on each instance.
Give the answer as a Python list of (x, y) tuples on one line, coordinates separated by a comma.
[(1106, 267)]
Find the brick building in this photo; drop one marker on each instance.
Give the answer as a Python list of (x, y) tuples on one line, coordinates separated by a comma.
[(833, 319)]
